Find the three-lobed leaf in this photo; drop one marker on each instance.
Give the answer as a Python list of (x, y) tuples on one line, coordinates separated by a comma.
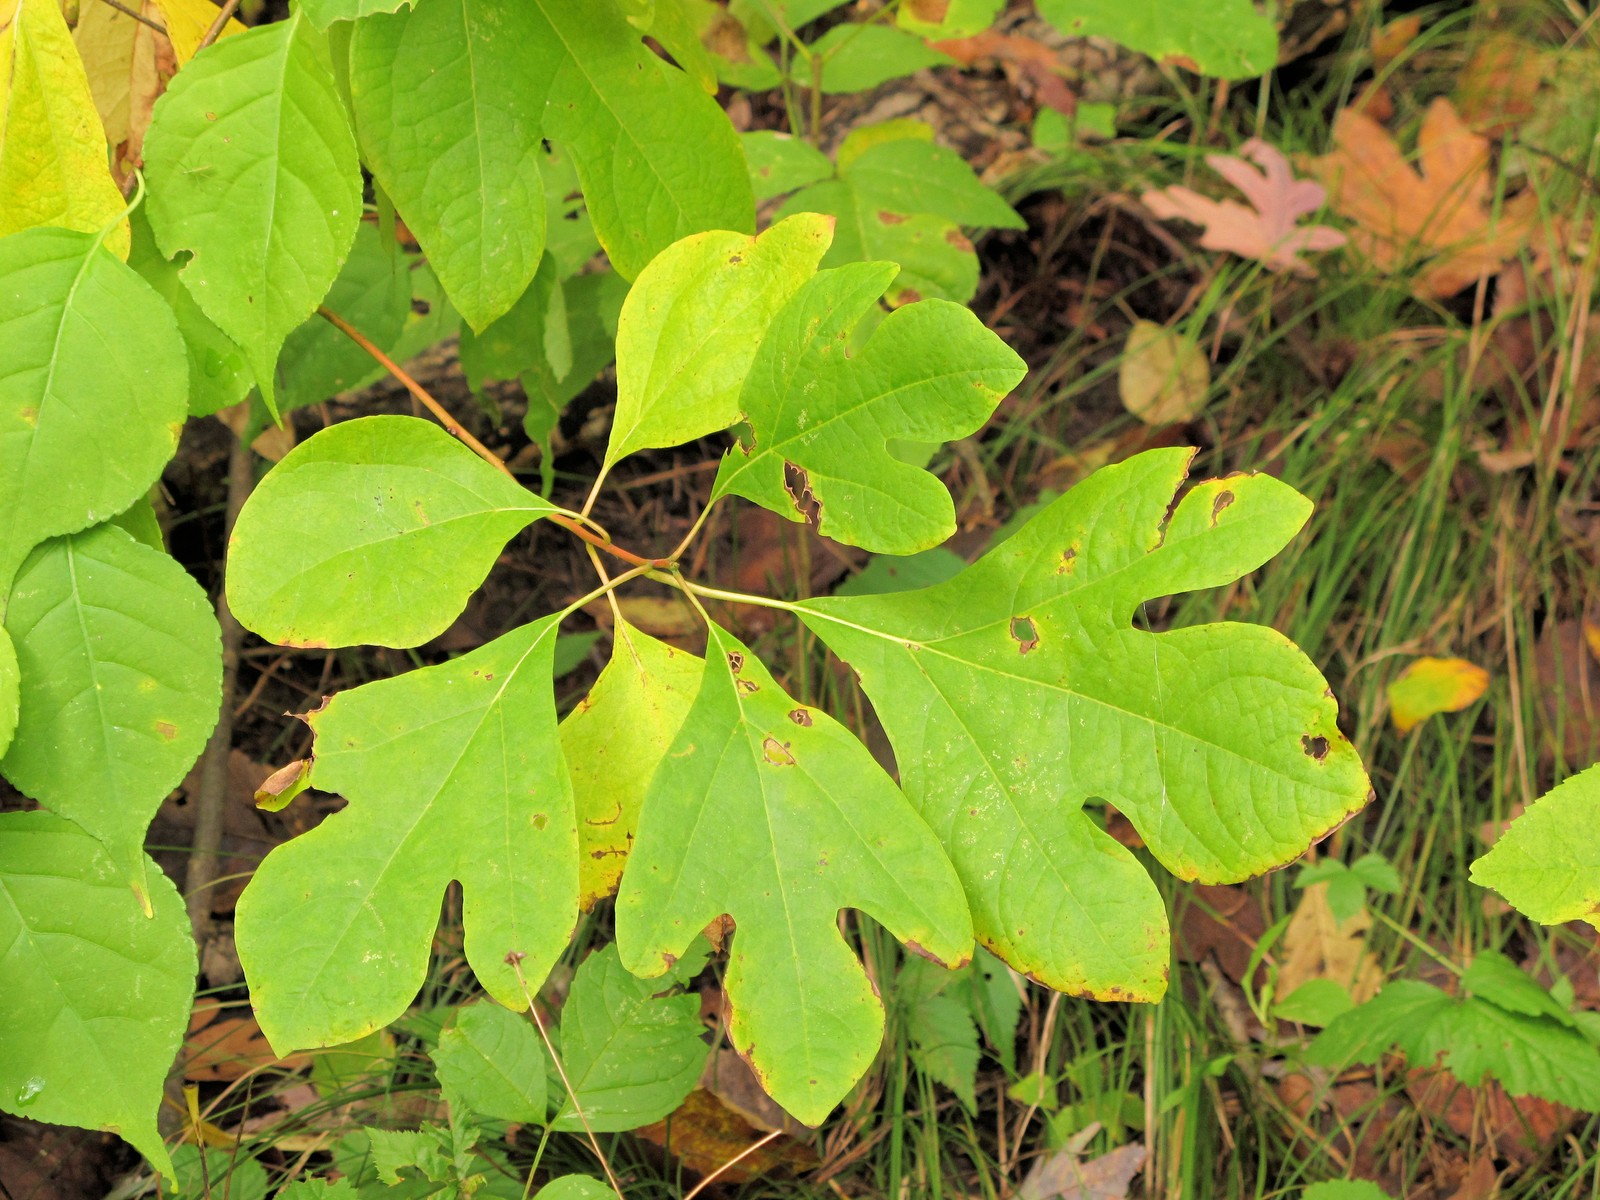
[(253, 171), (822, 419), (1021, 688), (95, 998), (772, 813), (89, 348), (120, 659), (1547, 862), (452, 772), (376, 530)]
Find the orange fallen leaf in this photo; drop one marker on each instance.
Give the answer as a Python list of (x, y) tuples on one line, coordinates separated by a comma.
[(1434, 685), (1267, 231), (221, 1048), (1500, 82), (1441, 216)]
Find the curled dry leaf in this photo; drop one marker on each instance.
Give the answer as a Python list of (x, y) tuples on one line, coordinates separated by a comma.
[(1164, 377), (1265, 231), (1443, 215), (1430, 686)]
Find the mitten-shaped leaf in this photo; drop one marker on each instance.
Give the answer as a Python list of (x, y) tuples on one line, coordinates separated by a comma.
[(253, 170), (375, 531), (614, 740), (1021, 688), (452, 772), (94, 994), (821, 419), (52, 146), (691, 326), (1547, 863), (772, 813), (121, 668), (90, 349), (449, 98)]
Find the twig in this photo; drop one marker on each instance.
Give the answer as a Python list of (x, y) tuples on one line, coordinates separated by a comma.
[(137, 16), (732, 1162), (218, 25), (213, 790)]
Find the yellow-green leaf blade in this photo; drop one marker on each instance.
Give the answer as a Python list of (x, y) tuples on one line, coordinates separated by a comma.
[(374, 531), (451, 772), (771, 812)]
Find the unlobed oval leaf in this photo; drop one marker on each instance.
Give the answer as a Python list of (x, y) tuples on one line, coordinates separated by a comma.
[(375, 531), (1547, 862), (613, 741), (490, 1059), (449, 98), (93, 396), (253, 172), (822, 418), (94, 994), (1021, 688), (52, 146), (772, 813), (121, 666), (691, 326), (452, 772), (1232, 39)]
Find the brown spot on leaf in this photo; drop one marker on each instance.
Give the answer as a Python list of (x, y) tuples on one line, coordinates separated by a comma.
[(747, 686), (1024, 633), (308, 644), (611, 820), (29, 415), (1316, 747), (798, 484), (1069, 561), (959, 240), (515, 958), (800, 717), (776, 752), (735, 661), (167, 729), (735, 259), (908, 296), (889, 218), (540, 820), (1222, 501)]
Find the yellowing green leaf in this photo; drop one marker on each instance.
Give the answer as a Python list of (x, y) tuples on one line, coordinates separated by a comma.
[(1021, 687), (376, 530), (822, 417), (94, 994), (253, 171), (1429, 686), (92, 397), (53, 164), (613, 741), (452, 772), (119, 654), (1547, 863), (692, 324), (1164, 377), (772, 813)]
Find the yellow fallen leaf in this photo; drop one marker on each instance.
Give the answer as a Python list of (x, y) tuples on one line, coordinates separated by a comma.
[(1317, 945), (53, 164), (1434, 685), (1164, 377), (129, 65), (187, 22)]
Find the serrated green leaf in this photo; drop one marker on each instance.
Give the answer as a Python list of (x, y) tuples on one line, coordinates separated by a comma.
[(226, 1172), (656, 155), (376, 530), (630, 1055), (575, 1187), (319, 1189), (857, 57), (121, 667), (52, 146), (94, 995), (1020, 688), (822, 417), (771, 812), (613, 741), (1494, 977), (218, 373), (449, 98), (939, 1027), (10, 694), (692, 324), (1231, 39), (1547, 863), (780, 163), (909, 174), (253, 171), (490, 1059), (451, 772), (323, 13), (90, 348), (373, 293)]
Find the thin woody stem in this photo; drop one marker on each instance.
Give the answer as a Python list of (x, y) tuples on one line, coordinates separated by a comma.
[(218, 25), (455, 429), (135, 14)]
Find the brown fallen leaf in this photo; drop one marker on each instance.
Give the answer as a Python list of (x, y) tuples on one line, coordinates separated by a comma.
[(703, 1134), (1220, 920), (1441, 216), (129, 66), (1317, 945), (1502, 1127), (1268, 230), (1032, 61), (1499, 86), (1064, 1175), (224, 1048)]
